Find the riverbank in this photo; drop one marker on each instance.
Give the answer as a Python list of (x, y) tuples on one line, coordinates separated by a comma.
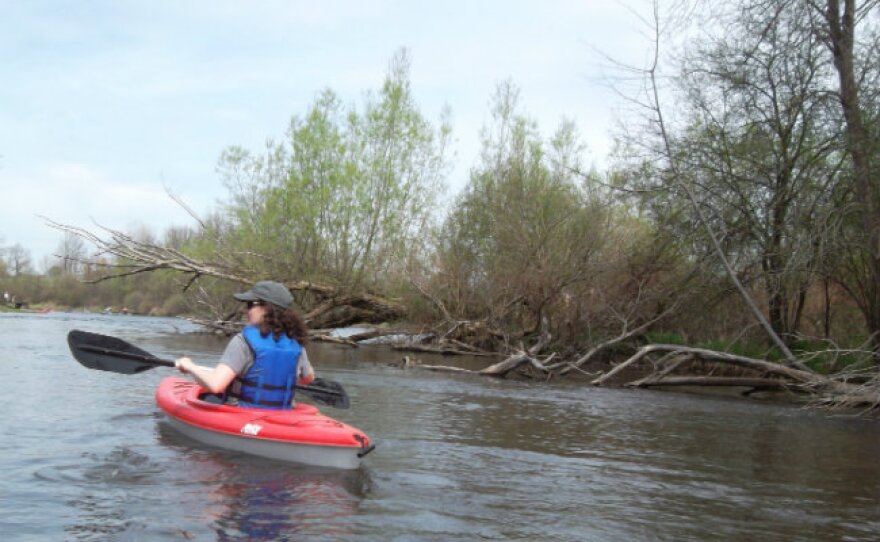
[(42, 308), (38, 309)]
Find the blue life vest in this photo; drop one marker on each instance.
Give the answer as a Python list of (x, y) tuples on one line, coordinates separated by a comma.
[(270, 381)]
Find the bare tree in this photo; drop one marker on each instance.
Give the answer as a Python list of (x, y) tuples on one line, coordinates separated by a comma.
[(760, 147), (842, 22), (18, 260), (72, 252), (676, 178)]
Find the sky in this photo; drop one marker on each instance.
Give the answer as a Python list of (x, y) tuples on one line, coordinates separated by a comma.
[(106, 106)]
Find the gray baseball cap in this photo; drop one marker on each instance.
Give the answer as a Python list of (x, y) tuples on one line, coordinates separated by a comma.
[(269, 291)]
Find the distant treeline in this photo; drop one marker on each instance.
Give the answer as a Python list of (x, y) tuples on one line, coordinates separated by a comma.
[(760, 156), (156, 294)]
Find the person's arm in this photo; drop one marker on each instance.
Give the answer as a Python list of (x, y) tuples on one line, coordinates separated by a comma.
[(236, 356), (214, 380), (306, 373)]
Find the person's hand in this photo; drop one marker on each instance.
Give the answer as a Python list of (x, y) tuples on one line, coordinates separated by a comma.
[(184, 364), (305, 380)]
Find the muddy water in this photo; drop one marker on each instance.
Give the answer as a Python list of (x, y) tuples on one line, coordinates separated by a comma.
[(85, 455)]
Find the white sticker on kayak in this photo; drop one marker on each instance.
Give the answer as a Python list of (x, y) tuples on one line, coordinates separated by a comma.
[(251, 429)]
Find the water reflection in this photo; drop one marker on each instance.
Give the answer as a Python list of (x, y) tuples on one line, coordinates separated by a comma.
[(202, 493), (265, 504), (250, 498)]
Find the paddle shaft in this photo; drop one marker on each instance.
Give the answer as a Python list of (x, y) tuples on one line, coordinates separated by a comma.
[(168, 363), (127, 355)]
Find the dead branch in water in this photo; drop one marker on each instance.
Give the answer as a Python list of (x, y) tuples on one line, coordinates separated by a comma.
[(564, 367), (130, 256), (500, 369), (516, 361), (830, 390), (439, 349), (727, 381), (767, 367)]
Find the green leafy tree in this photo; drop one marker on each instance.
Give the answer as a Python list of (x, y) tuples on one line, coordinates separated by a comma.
[(343, 198), (523, 237)]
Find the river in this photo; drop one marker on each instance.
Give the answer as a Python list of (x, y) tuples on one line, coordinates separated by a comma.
[(87, 456)]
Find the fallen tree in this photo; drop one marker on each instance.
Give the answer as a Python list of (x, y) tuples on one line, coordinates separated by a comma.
[(834, 390), (669, 365), (328, 305), (523, 361)]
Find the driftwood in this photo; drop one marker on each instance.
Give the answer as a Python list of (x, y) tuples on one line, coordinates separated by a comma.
[(567, 366), (796, 375), (440, 349), (318, 337), (355, 339), (224, 327), (513, 362), (375, 334), (735, 381), (676, 360), (836, 391), (344, 310), (470, 349), (500, 369)]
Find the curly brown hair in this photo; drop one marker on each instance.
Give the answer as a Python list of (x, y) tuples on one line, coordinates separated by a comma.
[(287, 321)]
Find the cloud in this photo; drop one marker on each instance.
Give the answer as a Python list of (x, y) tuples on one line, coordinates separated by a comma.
[(101, 102), (80, 195)]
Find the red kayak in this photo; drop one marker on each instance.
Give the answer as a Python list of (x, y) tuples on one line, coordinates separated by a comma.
[(301, 435)]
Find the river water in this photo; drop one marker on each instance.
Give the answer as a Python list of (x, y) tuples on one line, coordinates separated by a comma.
[(85, 455)]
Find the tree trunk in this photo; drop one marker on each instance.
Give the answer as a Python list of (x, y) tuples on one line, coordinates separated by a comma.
[(841, 40), (826, 317), (776, 313)]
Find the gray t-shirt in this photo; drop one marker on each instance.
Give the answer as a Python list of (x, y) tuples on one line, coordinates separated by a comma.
[(239, 357)]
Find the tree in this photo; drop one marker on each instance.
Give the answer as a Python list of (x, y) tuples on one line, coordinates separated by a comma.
[(660, 142), (760, 148), (72, 252), (523, 239), (3, 271), (347, 195), (18, 260), (839, 33)]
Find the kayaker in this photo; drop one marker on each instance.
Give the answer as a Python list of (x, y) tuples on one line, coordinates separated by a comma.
[(262, 363)]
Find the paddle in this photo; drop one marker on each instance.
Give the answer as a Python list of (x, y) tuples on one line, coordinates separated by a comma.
[(106, 353)]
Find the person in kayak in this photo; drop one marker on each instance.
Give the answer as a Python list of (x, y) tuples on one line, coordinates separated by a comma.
[(260, 365)]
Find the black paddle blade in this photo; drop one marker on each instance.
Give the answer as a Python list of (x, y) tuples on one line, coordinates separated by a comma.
[(326, 392), (107, 353)]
